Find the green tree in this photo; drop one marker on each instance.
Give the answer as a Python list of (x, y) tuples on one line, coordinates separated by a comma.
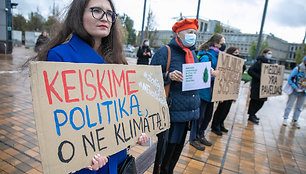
[(19, 23), (130, 33), (253, 47), (300, 53), (218, 28), (36, 22), (51, 25)]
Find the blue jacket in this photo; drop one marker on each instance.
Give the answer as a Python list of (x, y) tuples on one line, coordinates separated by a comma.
[(300, 77), (183, 105), (206, 93), (78, 51)]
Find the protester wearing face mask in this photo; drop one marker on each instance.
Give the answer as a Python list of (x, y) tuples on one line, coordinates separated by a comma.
[(183, 105), (254, 71), (217, 125), (297, 80), (208, 52), (144, 53)]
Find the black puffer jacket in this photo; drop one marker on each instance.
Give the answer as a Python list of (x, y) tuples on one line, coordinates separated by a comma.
[(255, 72), (143, 59)]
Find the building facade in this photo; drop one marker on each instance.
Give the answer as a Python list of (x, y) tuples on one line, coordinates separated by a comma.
[(5, 27), (283, 52)]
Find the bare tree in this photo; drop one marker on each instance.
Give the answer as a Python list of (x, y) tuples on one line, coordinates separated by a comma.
[(150, 30)]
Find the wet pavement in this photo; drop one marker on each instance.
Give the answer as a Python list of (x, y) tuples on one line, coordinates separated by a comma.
[(267, 147)]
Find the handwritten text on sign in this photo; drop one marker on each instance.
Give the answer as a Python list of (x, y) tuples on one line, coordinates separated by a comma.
[(196, 76), (227, 83), (271, 80), (84, 109)]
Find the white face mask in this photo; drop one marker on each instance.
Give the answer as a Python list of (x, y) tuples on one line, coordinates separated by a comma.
[(146, 43), (189, 40)]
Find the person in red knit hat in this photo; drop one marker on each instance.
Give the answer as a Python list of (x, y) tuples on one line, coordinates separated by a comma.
[(183, 105)]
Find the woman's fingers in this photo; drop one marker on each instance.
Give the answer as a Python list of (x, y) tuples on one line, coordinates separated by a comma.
[(95, 164), (98, 161), (143, 139), (176, 76)]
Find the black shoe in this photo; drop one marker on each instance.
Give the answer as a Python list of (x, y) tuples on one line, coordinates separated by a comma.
[(256, 117), (196, 144), (204, 141), (216, 132), (253, 119), (223, 129)]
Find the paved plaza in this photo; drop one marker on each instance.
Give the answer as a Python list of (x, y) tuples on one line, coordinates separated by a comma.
[(247, 148)]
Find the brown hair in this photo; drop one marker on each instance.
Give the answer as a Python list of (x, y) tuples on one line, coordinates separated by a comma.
[(231, 50), (216, 38), (265, 51), (111, 48)]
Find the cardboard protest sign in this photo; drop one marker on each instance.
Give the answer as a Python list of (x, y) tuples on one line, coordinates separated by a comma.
[(84, 109), (271, 80), (196, 76), (227, 83)]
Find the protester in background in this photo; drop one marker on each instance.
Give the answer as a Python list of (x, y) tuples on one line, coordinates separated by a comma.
[(144, 53), (42, 39), (297, 80), (183, 105), (93, 36), (208, 52), (254, 71), (224, 107)]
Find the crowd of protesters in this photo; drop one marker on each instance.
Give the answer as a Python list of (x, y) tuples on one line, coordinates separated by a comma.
[(91, 34)]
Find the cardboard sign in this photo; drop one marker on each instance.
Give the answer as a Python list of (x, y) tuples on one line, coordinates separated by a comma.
[(227, 83), (85, 109), (196, 76), (271, 80)]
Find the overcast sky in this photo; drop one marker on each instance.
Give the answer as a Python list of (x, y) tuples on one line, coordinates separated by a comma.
[(286, 19)]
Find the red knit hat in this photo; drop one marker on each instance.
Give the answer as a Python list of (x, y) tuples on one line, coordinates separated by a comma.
[(185, 24)]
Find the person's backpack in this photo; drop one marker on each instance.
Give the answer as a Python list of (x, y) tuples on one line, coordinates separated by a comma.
[(209, 56)]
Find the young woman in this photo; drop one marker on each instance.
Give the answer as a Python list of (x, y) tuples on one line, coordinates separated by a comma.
[(208, 52), (254, 71), (297, 80), (90, 34), (217, 125), (144, 53)]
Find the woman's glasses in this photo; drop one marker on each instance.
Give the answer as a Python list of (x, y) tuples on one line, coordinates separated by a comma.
[(98, 13)]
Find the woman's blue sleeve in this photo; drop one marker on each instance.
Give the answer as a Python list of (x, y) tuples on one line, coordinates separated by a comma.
[(54, 56), (292, 74)]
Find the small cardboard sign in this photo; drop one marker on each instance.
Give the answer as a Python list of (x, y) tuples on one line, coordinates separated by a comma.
[(84, 109), (271, 80), (227, 83), (196, 76)]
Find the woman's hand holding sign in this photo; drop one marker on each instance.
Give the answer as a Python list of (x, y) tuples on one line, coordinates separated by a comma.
[(98, 162), (143, 139), (214, 73), (176, 76)]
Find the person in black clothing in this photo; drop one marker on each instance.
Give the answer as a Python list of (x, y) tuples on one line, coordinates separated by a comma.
[(223, 108), (144, 53), (254, 71), (42, 39)]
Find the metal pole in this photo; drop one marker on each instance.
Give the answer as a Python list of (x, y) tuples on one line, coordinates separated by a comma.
[(199, 2), (261, 28), (143, 20)]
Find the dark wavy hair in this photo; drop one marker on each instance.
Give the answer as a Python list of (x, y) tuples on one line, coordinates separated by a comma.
[(231, 50), (111, 48), (216, 38)]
